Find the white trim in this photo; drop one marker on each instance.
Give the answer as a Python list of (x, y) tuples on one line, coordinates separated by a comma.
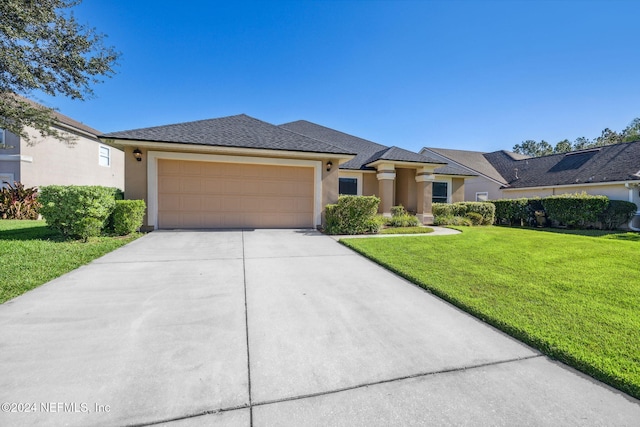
[(216, 149), (482, 192), (386, 175), (425, 178), (587, 184), (152, 176), (356, 175), (100, 156), (16, 158), (449, 185)]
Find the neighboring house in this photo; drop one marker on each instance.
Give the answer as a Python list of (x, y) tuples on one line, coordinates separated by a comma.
[(612, 171), (47, 161), (239, 171)]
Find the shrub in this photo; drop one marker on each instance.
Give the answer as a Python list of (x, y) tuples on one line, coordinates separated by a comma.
[(617, 213), (575, 209), (398, 210), (452, 220), (511, 211), (460, 209), (127, 216), (18, 202), (475, 218), (353, 215), (405, 220), (77, 211)]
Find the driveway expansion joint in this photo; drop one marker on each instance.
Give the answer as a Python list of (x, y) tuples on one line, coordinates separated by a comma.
[(397, 379), (186, 417)]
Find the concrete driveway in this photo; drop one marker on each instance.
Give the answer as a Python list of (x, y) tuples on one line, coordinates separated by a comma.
[(270, 327)]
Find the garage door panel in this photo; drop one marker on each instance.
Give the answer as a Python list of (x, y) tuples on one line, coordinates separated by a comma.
[(228, 195)]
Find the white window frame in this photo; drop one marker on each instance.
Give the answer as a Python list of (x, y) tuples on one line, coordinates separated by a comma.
[(101, 156), (356, 176), (448, 182), (479, 193)]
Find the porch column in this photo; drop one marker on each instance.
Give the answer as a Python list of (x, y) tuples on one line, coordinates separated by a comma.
[(386, 187), (424, 196)]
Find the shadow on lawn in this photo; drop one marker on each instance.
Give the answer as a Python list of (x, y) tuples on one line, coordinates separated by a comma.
[(32, 233), (606, 234)]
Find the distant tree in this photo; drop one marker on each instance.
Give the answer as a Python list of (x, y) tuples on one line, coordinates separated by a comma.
[(43, 48), (607, 137), (533, 148), (563, 146), (632, 132)]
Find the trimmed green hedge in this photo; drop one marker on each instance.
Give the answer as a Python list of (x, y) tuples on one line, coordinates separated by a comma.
[(575, 209), (127, 216), (617, 213), (353, 215), (77, 211), (462, 209)]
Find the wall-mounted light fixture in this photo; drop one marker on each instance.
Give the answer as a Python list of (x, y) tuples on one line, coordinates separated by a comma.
[(329, 164), (137, 154)]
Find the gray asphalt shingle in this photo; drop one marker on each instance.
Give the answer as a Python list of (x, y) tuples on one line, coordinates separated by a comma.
[(239, 131)]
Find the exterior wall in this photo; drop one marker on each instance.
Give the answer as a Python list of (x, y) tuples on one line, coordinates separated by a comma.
[(406, 193), (457, 190), (137, 184), (479, 184), (370, 184), (614, 191), (55, 162), (10, 159)]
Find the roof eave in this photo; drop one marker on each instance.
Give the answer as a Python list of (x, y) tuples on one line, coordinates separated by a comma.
[(169, 146), (405, 163)]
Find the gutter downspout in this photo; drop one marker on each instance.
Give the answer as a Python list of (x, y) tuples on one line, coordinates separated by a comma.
[(632, 187)]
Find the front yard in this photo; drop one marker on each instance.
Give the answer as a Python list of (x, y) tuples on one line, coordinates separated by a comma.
[(31, 254), (574, 297)]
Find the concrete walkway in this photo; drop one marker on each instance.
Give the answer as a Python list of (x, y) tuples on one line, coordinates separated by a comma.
[(270, 328)]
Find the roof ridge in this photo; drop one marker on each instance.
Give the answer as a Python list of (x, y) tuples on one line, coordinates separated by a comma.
[(332, 130)]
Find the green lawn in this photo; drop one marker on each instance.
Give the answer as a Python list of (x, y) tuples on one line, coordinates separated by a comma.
[(406, 230), (574, 297), (31, 254)]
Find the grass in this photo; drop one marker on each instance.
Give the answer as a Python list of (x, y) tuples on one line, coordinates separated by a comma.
[(406, 230), (574, 297), (31, 254)]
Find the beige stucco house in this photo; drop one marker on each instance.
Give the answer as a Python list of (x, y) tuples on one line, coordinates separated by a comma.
[(612, 171), (47, 161), (239, 171)]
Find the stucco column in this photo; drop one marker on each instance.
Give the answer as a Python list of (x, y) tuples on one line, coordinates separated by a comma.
[(386, 188), (424, 196)]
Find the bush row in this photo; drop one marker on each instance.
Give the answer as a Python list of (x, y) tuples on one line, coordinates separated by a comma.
[(88, 211), (463, 213), (575, 210)]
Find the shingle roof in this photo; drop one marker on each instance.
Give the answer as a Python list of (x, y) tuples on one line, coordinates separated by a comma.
[(367, 151), (239, 131), (474, 160), (65, 120), (618, 162)]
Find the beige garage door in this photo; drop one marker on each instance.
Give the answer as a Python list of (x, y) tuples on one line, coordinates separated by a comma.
[(230, 195)]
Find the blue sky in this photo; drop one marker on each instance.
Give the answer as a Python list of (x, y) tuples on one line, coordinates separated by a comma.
[(475, 75)]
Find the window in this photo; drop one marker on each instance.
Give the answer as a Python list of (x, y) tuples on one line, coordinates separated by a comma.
[(104, 156), (440, 193), (348, 186), (482, 196), (2, 142)]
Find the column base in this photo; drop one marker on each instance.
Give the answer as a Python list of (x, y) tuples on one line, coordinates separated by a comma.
[(425, 219)]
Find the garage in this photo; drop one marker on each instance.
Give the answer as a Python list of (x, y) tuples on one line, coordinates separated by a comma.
[(199, 194)]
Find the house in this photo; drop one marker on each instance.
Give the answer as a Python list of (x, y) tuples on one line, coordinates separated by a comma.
[(239, 171), (612, 171), (47, 161)]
